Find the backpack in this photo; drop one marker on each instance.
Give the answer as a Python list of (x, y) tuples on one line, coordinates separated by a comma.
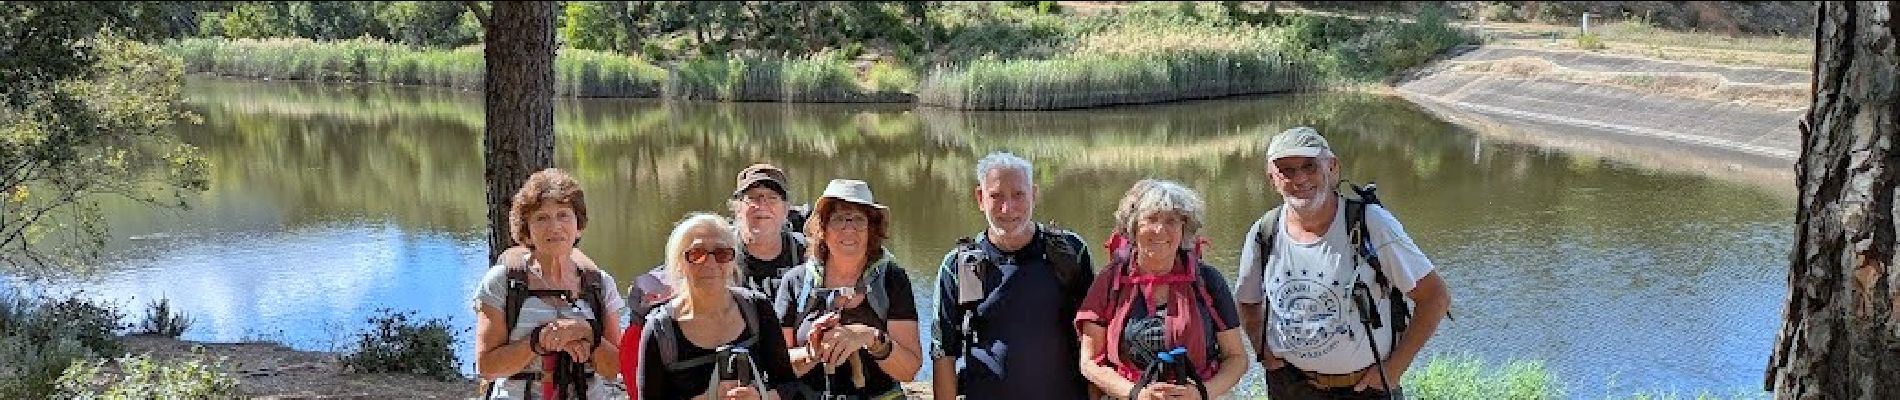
[(1401, 314), (871, 285), (518, 293), (769, 283), (970, 256), (663, 320), (1121, 264)]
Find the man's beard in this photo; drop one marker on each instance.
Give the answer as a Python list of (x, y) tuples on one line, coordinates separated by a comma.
[(1023, 227)]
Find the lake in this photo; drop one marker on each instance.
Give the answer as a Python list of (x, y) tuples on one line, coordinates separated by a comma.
[(328, 202)]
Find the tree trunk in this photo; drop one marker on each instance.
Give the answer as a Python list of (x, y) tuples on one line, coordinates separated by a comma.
[(519, 106), (1840, 338)]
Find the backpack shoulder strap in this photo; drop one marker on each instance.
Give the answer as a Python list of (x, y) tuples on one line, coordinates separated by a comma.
[(663, 322), (590, 290), (1263, 239), (874, 292), (517, 293), (746, 297), (1065, 257)]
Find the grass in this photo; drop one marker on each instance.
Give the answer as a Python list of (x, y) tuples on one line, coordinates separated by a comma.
[(814, 79), (577, 72), (1466, 377), (1161, 53)]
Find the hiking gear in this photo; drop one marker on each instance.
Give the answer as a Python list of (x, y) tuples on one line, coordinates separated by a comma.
[(518, 293), (761, 175), (851, 190), (1362, 250), (1188, 302), (1363, 253), (1362, 299), (979, 273), (735, 364), (1170, 366), (665, 318), (1297, 142)]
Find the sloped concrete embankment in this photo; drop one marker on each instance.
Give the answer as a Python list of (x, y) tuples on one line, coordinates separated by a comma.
[(1738, 123)]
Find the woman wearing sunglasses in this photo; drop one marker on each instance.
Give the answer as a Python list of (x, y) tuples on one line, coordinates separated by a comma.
[(849, 310), (715, 340)]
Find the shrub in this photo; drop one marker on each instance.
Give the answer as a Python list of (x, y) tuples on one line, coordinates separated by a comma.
[(397, 343), (141, 377), (161, 320)]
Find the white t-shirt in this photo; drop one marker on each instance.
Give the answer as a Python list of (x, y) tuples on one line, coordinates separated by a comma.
[(493, 292), (1313, 322)]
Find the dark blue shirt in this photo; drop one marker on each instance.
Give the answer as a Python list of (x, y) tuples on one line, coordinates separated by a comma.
[(1025, 346)]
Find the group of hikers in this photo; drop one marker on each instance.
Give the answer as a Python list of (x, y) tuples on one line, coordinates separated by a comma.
[(776, 302)]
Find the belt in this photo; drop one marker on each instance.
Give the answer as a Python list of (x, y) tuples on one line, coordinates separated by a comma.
[(1332, 381)]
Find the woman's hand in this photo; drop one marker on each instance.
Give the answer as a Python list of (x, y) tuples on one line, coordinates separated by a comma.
[(738, 392), (1154, 391), (581, 350), (557, 334), (843, 341), (815, 339)]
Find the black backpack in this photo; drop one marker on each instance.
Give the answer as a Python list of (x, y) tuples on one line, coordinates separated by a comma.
[(518, 293), (1401, 314), (1062, 255)]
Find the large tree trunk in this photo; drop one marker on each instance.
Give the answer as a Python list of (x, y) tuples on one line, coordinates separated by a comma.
[(519, 106), (1840, 338)]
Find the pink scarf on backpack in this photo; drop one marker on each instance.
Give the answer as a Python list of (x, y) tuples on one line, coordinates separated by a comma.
[(1108, 303)]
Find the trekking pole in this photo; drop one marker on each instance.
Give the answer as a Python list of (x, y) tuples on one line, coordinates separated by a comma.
[(1177, 358), (1363, 299)]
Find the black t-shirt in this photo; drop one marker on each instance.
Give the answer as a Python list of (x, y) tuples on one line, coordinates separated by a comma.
[(764, 275), (768, 352), (1026, 344), (903, 307)]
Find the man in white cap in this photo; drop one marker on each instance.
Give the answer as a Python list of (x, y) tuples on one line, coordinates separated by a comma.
[(1308, 270)]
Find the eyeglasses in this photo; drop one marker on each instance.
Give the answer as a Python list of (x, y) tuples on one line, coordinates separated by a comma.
[(762, 199), (848, 220), (720, 255)]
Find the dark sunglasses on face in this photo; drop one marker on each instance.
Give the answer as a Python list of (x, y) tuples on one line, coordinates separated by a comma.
[(720, 255)]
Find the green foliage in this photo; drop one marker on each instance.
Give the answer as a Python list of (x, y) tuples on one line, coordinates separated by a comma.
[(141, 377), (395, 343), (817, 78), (39, 339), (1465, 377), (577, 72), (594, 25), (889, 77), (440, 24), (90, 122), (1156, 51), (161, 320), (1590, 41)]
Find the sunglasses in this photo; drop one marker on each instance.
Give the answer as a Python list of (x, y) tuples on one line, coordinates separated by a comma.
[(720, 255)]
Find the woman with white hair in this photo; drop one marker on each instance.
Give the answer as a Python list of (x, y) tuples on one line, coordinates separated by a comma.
[(1159, 322), (714, 340)]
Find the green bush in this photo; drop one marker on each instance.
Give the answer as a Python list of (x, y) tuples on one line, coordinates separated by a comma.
[(161, 320), (39, 339), (1590, 41), (141, 377), (397, 343)]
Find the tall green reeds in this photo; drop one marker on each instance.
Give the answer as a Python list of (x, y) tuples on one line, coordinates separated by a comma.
[(577, 72)]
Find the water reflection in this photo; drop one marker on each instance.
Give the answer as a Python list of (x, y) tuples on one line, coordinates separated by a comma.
[(331, 201)]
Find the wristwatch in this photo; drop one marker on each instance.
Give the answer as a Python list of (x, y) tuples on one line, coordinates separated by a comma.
[(881, 348)]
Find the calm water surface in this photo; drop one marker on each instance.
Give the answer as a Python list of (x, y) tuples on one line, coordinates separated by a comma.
[(330, 202)]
